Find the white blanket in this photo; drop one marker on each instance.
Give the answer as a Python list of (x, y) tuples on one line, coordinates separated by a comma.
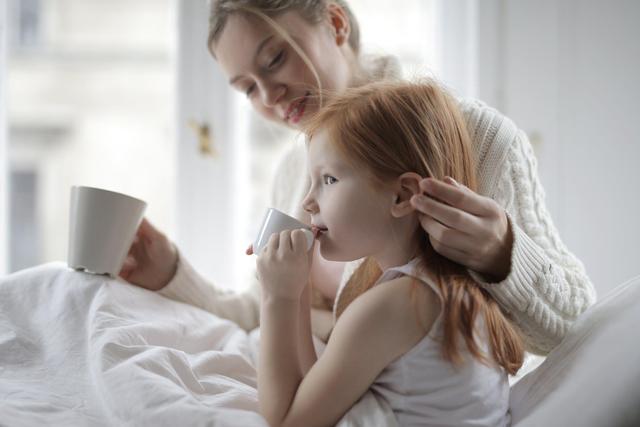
[(77, 349)]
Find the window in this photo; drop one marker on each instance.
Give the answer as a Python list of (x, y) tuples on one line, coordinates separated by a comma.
[(25, 14), (92, 105)]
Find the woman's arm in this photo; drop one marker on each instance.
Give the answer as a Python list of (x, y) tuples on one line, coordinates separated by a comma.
[(154, 263), (188, 286), (547, 287), (506, 238), (180, 281)]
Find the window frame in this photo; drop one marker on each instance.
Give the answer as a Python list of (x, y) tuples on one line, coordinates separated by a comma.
[(4, 161), (211, 189)]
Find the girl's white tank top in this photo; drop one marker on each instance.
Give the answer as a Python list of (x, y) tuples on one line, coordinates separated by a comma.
[(423, 389)]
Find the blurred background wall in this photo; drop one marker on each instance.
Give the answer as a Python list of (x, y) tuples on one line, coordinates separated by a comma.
[(568, 73)]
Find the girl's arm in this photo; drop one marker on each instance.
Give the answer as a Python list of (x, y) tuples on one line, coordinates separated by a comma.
[(279, 368), (374, 330), (306, 350)]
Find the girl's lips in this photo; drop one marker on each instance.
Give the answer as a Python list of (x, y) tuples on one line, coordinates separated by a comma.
[(296, 109), (318, 231)]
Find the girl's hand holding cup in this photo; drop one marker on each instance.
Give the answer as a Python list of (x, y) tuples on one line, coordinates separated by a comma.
[(283, 246), (284, 264)]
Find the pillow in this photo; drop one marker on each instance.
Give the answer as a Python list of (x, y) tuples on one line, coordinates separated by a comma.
[(593, 377)]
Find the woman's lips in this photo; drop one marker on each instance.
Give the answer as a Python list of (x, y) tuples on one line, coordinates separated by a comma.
[(296, 109)]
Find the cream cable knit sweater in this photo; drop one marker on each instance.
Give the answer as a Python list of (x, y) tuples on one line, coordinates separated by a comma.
[(547, 287)]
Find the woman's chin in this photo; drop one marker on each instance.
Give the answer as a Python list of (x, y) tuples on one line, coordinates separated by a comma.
[(302, 121)]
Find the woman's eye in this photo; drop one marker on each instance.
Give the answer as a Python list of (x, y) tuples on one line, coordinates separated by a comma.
[(328, 180), (276, 60)]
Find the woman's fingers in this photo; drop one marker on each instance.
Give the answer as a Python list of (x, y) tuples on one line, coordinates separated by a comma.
[(464, 226), (446, 241), (249, 250), (446, 236), (449, 252), (145, 227), (127, 267), (448, 215), (139, 249), (457, 196), (148, 233)]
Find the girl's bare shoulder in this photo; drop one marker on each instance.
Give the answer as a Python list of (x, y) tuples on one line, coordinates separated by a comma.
[(404, 308), (411, 300)]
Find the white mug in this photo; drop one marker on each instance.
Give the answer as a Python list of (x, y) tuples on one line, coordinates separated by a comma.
[(274, 222), (102, 226)]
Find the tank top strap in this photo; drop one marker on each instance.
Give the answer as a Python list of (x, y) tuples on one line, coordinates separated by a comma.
[(411, 269)]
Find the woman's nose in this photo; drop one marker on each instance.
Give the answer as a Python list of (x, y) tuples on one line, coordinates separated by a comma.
[(272, 94)]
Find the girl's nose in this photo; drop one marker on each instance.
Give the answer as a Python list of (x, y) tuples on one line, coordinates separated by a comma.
[(309, 204)]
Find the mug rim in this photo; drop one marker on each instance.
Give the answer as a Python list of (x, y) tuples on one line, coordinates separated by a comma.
[(73, 187)]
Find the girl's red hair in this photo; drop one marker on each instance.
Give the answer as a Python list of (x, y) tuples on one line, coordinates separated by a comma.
[(387, 129)]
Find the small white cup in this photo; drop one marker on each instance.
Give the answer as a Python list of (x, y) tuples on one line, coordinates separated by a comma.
[(102, 226), (274, 222)]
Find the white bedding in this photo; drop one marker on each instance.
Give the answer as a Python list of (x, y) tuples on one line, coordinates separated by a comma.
[(77, 349), (592, 379)]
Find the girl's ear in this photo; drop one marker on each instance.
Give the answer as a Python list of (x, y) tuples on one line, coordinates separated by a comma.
[(407, 185), (339, 23)]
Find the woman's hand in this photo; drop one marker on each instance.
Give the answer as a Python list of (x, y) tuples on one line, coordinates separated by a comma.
[(466, 227), (152, 259), (284, 265)]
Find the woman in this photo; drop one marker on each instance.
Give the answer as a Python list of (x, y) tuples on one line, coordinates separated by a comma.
[(292, 51)]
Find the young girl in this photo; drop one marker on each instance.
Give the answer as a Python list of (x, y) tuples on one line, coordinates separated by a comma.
[(411, 324)]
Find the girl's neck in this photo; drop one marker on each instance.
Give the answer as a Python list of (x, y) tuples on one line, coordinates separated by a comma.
[(398, 256)]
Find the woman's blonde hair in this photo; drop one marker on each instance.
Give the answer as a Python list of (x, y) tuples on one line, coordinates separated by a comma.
[(386, 129), (314, 11)]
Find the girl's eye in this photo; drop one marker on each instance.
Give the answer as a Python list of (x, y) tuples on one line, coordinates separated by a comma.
[(249, 90), (276, 60), (328, 180)]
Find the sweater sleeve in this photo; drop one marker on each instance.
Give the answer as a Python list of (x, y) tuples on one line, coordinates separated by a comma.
[(547, 287), (190, 287)]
